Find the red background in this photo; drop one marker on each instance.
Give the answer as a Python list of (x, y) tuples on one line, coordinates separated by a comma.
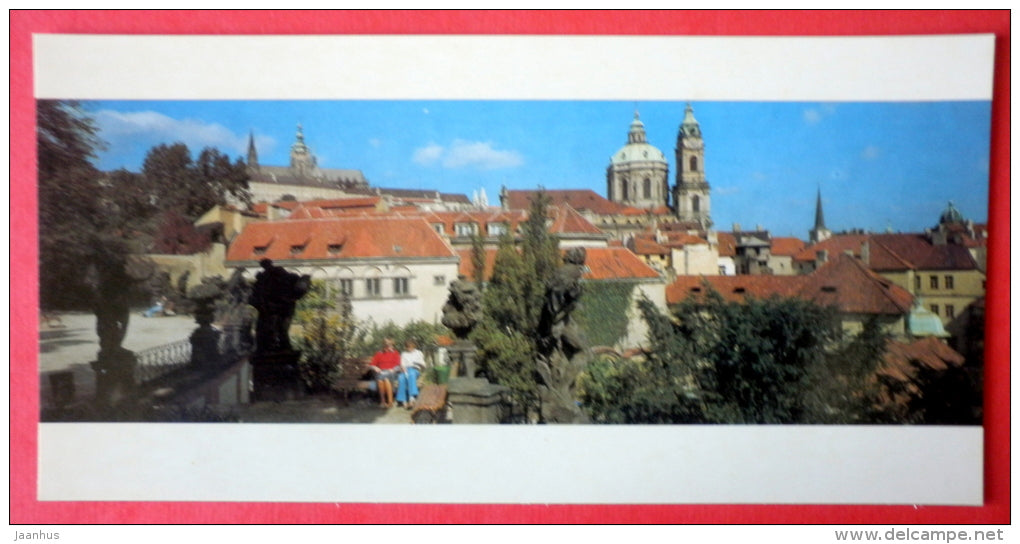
[(25, 509)]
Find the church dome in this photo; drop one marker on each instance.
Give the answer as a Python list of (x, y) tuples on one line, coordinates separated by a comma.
[(951, 215), (637, 149)]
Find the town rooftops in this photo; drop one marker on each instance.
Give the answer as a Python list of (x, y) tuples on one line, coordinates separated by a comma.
[(338, 238), (601, 264), (844, 283)]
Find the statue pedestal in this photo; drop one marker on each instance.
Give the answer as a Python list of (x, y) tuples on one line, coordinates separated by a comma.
[(115, 376), (475, 400), (275, 376), (462, 358), (205, 348)]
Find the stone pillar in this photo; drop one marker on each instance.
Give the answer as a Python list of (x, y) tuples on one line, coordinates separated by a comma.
[(475, 400), (462, 356)]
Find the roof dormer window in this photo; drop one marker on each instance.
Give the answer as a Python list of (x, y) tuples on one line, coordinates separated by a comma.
[(295, 250), (260, 250)]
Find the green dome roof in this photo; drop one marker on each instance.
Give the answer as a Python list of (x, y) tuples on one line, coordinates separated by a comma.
[(637, 148)]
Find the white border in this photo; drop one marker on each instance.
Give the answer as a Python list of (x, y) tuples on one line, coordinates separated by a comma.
[(514, 67), (461, 464)]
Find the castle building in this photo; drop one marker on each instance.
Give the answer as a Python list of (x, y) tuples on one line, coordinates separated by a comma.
[(691, 193), (302, 179), (638, 174)]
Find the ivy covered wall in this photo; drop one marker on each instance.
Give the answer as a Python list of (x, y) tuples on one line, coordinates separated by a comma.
[(602, 314)]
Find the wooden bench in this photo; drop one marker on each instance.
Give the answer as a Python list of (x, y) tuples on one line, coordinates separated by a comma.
[(428, 408), (352, 378)]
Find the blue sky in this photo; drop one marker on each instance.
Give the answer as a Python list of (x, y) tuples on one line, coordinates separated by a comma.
[(878, 165)]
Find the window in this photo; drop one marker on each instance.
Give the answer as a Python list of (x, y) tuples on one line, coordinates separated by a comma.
[(347, 287), (260, 250), (934, 282), (934, 309), (917, 283), (695, 204), (439, 228), (950, 311), (949, 282), (373, 287), (400, 286), (438, 280), (466, 229), (334, 248), (294, 250), (694, 164), (648, 188), (497, 229)]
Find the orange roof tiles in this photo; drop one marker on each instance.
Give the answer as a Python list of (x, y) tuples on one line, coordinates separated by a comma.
[(615, 263), (901, 361), (351, 238), (839, 243), (844, 283), (580, 199), (786, 246)]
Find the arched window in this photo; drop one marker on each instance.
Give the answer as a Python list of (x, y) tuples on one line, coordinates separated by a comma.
[(694, 164), (648, 188), (695, 204), (624, 193)]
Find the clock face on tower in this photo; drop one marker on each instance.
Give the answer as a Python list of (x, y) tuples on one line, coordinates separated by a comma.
[(693, 144)]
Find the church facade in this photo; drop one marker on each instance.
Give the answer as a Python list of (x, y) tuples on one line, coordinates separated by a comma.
[(638, 175)]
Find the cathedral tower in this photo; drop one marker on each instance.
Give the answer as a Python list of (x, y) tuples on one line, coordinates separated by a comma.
[(691, 198), (301, 159), (638, 174)]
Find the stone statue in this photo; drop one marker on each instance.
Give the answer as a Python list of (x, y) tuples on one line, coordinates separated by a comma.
[(275, 295), (563, 353), (463, 308)]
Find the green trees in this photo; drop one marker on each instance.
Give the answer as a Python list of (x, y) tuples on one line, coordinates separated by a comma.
[(328, 337), (506, 336), (84, 220), (191, 187), (776, 360)]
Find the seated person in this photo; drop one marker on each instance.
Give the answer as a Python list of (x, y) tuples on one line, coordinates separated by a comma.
[(385, 365), (412, 363)]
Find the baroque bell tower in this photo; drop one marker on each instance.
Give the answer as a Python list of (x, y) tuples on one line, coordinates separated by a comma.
[(691, 195)]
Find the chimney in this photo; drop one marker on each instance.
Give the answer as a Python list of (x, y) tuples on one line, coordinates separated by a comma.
[(866, 253)]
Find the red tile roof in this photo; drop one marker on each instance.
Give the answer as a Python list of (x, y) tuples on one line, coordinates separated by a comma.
[(580, 199), (785, 246), (645, 246), (603, 263), (844, 283), (727, 244), (839, 243), (615, 263), (338, 238), (901, 361), (915, 251)]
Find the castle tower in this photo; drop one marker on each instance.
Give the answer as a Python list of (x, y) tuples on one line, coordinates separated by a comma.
[(819, 233), (301, 159), (638, 174), (691, 195)]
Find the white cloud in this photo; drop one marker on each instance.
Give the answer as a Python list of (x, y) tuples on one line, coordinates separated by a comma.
[(116, 126), (466, 154), (428, 155), (376, 143), (871, 152)]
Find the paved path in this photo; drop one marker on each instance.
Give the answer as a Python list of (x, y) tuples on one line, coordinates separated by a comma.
[(71, 344)]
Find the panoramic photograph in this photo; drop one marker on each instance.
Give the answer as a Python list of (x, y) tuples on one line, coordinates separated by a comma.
[(512, 262)]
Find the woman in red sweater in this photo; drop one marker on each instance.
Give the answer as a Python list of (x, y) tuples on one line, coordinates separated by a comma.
[(385, 363)]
